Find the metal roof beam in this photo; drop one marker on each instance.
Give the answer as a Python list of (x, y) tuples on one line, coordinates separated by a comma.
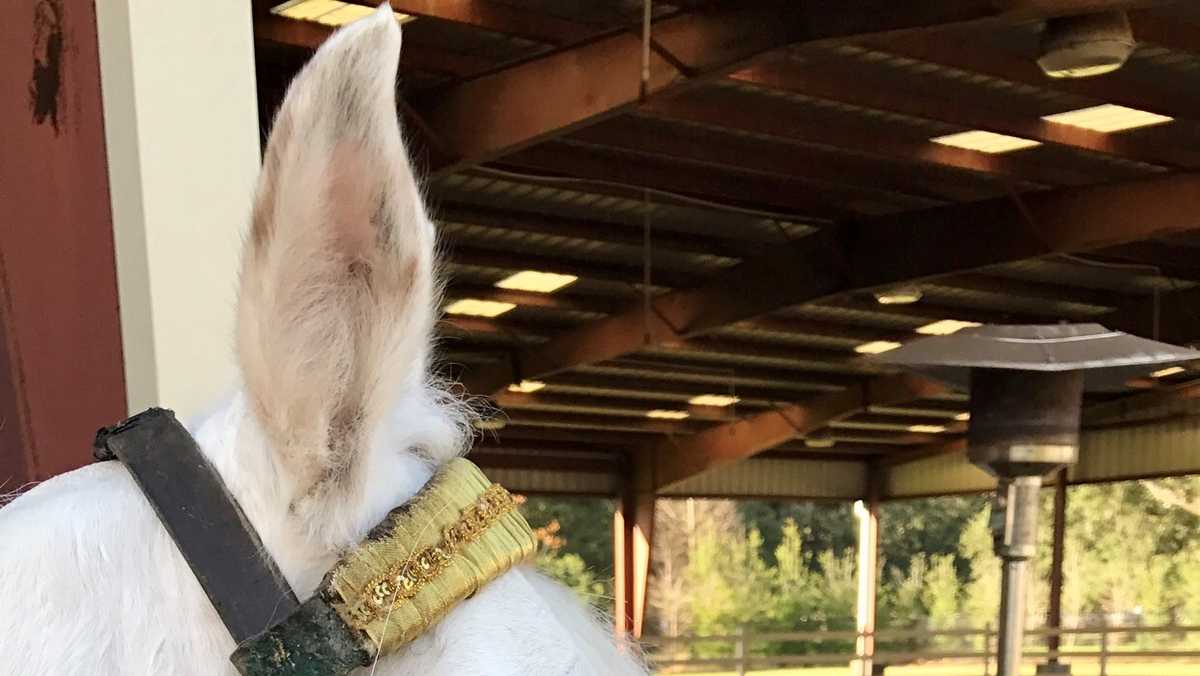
[(574, 87), (890, 250), (677, 459)]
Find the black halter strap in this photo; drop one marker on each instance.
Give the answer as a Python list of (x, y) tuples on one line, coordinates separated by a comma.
[(275, 633), (220, 545)]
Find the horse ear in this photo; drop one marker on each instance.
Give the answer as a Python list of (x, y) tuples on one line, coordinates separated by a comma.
[(335, 307)]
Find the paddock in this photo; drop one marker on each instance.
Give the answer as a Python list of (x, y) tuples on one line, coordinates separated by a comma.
[(678, 236)]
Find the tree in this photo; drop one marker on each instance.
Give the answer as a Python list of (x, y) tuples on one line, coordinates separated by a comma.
[(1180, 492), (585, 526), (825, 526), (911, 529), (677, 525), (575, 544)]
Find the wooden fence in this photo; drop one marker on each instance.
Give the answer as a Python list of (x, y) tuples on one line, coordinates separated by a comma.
[(1103, 644)]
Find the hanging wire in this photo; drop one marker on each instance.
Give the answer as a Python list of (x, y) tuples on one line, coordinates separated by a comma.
[(1156, 321), (647, 11), (647, 263), (679, 197)]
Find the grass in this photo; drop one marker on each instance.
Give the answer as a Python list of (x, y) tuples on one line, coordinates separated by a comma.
[(1087, 668)]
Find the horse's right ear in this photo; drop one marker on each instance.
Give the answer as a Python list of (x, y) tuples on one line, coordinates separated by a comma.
[(336, 303)]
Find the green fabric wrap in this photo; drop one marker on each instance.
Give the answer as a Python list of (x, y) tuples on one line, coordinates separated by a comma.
[(312, 642)]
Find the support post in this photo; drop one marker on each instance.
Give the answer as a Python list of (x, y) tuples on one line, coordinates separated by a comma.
[(623, 565), (1104, 645), (867, 513), (181, 124), (61, 371), (1054, 610), (643, 541), (739, 651), (633, 539), (987, 649)]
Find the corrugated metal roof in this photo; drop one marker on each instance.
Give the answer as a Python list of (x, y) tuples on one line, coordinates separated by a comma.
[(1001, 299), (561, 198), (1165, 448), (769, 478), (547, 481), (938, 475), (1083, 272)]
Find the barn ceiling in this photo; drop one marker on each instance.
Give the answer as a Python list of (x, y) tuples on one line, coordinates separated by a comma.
[(729, 219)]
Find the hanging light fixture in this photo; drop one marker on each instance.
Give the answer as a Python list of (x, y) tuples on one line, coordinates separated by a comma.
[(821, 438), (491, 417), (901, 295), (1086, 46)]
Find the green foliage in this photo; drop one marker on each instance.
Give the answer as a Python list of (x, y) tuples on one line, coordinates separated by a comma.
[(573, 571), (585, 525), (575, 538), (825, 526), (911, 530), (1130, 548)]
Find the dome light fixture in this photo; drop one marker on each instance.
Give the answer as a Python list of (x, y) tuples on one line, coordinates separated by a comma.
[(1085, 46)]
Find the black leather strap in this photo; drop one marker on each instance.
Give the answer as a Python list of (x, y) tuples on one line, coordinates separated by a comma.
[(220, 545)]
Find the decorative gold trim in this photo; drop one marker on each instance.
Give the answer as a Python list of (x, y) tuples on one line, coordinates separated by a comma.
[(404, 579), (459, 533)]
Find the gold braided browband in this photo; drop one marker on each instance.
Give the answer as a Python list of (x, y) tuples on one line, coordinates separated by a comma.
[(459, 533)]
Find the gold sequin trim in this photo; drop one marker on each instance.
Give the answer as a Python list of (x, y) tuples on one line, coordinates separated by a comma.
[(403, 580)]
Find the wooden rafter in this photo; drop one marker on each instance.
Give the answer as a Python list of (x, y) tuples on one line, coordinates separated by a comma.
[(309, 35), (600, 422), (475, 120), (518, 436), (1141, 407), (930, 311), (678, 459), (618, 407), (602, 77), (818, 163), (1019, 288), (860, 85), (667, 390), (964, 52), (720, 376), (594, 230), (496, 17), (778, 118), (512, 458), (463, 253), (895, 249), (639, 170), (774, 162), (558, 301)]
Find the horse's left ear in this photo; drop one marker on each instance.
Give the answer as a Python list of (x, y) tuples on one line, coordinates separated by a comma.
[(336, 303)]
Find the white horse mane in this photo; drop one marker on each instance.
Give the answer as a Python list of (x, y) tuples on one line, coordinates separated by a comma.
[(337, 423)]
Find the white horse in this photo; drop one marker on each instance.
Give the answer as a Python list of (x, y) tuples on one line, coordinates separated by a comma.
[(337, 423)]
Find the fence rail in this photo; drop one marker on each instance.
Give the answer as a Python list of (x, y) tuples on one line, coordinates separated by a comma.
[(676, 653)]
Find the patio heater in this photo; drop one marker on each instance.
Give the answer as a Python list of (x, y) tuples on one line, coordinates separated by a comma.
[(1026, 385)]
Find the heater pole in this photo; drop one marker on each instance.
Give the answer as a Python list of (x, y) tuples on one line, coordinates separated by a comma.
[(1015, 544), (1012, 614)]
